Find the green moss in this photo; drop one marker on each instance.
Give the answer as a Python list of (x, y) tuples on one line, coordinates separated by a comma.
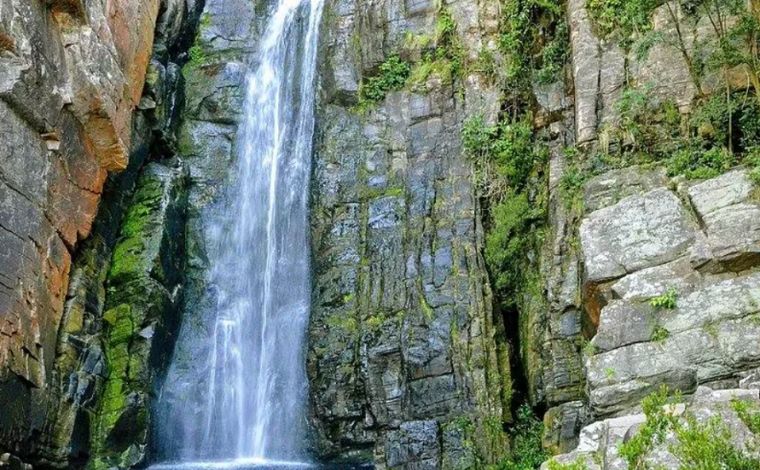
[(205, 21), (343, 321)]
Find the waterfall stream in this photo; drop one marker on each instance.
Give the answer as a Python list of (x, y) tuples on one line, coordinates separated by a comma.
[(254, 377)]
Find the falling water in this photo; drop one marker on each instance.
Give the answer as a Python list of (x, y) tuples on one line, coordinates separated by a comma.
[(254, 377)]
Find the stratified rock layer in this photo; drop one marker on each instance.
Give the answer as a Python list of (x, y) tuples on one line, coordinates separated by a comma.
[(68, 88), (403, 363)]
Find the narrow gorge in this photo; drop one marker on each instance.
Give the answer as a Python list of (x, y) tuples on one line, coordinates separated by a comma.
[(393, 234)]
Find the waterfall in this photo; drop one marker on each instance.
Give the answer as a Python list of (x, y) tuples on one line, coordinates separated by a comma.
[(254, 377)]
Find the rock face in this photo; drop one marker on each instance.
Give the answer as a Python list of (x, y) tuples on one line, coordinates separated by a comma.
[(403, 363), (71, 75), (597, 345), (710, 333)]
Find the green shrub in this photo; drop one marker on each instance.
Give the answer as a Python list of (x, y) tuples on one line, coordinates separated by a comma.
[(748, 413), (533, 41), (507, 148), (697, 163), (392, 75), (700, 446), (197, 55), (526, 434), (652, 432), (709, 447), (668, 300), (624, 16), (507, 240), (753, 162), (660, 334)]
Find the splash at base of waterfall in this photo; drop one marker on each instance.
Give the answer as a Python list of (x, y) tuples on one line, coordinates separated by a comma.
[(252, 464), (236, 464)]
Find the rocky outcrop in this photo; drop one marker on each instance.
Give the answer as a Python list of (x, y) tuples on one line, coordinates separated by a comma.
[(404, 367), (68, 85), (596, 345), (71, 75), (671, 248), (711, 415)]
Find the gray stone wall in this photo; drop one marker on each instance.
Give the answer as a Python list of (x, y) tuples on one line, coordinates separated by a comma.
[(403, 362)]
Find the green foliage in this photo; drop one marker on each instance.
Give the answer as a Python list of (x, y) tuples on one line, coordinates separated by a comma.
[(722, 131), (442, 56), (554, 55), (505, 156), (696, 163), (572, 181), (533, 41), (577, 465), (197, 55), (753, 161), (527, 452), (506, 244), (507, 147), (660, 334), (624, 16), (652, 432), (708, 447), (392, 75), (704, 446), (748, 413), (667, 300), (445, 59)]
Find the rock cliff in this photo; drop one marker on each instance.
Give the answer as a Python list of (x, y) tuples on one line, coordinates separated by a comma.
[(87, 88), (512, 201)]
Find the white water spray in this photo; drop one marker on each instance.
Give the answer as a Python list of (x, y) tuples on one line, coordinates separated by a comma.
[(254, 378)]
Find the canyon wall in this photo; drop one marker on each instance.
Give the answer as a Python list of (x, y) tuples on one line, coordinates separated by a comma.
[(404, 364), (637, 265), (75, 108)]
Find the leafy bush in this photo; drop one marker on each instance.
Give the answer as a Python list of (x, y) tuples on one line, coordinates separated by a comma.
[(625, 16), (696, 163), (506, 152), (667, 300), (392, 75), (197, 55), (533, 41), (652, 432), (507, 240), (705, 446), (708, 446), (527, 451), (660, 334)]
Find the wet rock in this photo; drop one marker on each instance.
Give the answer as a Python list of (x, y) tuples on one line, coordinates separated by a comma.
[(402, 312), (142, 294)]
